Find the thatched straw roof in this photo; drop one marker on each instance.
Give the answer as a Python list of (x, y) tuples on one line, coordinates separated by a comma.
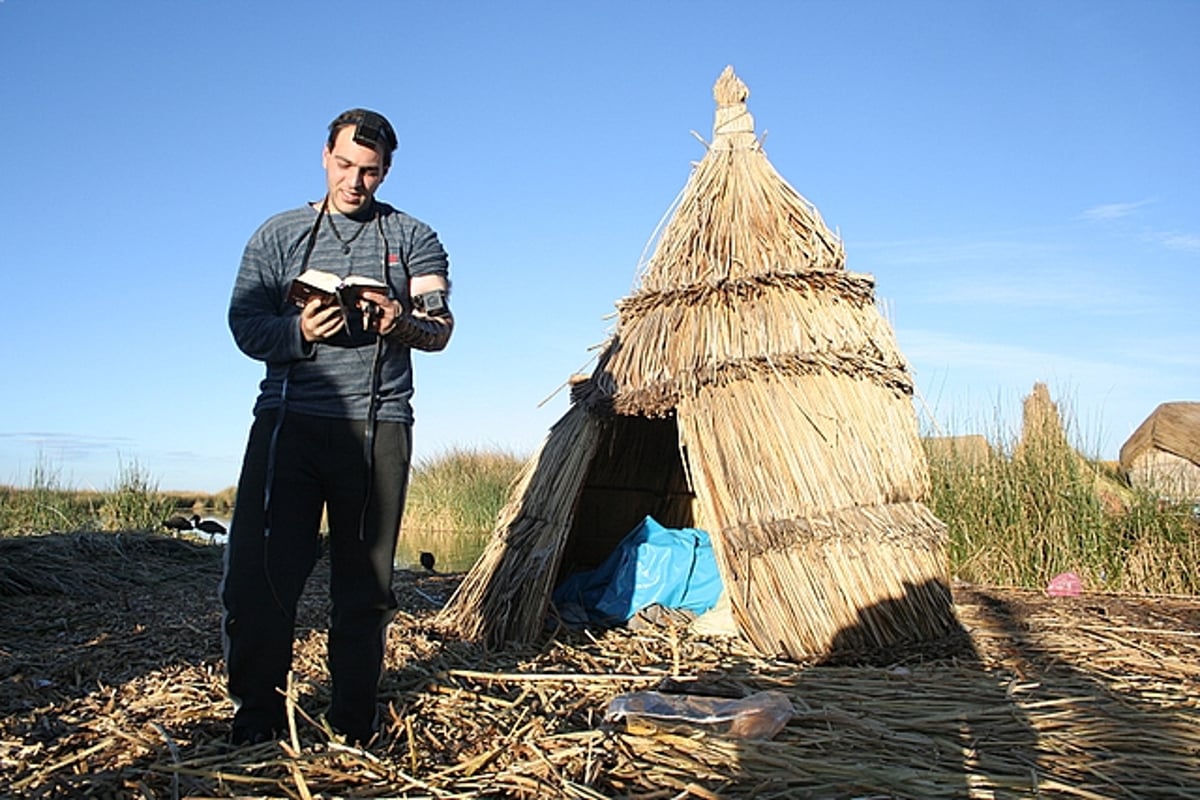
[(1172, 427), (746, 279), (1163, 454), (789, 413)]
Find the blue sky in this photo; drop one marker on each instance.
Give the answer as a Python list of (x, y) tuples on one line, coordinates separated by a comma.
[(1022, 178)]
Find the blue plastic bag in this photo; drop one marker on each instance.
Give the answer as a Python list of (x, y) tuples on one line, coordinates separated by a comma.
[(673, 567)]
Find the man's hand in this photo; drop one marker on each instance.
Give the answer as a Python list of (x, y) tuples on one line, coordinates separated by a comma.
[(319, 321), (414, 329), (387, 311)]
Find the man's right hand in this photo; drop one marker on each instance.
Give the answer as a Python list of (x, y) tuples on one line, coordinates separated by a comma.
[(319, 320)]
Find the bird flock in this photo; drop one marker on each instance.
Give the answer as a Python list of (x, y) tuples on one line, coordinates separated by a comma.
[(178, 524)]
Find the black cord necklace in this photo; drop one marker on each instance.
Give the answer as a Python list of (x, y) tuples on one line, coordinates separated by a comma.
[(337, 234)]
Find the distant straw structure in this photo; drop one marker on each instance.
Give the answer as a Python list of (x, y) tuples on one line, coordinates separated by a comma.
[(1041, 425), (792, 414), (1163, 454)]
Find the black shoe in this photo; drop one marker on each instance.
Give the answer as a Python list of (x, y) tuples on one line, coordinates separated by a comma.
[(245, 736), (355, 737)]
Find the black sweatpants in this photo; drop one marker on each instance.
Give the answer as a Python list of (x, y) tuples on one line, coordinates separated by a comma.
[(317, 461)]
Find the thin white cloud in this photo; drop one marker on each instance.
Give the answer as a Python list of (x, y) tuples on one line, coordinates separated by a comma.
[(59, 438), (1019, 272), (1060, 289), (1177, 352), (932, 252), (65, 446), (949, 350), (1188, 242), (1110, 211), (1026, 285)]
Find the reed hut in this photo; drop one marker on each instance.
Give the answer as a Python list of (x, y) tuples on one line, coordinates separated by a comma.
[(970, 450), (1163, 454), (752, 389)]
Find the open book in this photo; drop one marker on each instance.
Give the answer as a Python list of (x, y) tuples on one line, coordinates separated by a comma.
[(345, 292), (331, 287)]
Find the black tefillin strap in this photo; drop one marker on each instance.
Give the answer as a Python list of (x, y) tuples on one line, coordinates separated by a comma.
[(376, 374), (271, 447)]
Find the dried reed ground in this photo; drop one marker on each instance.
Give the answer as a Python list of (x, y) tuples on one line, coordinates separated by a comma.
[(110, 686)]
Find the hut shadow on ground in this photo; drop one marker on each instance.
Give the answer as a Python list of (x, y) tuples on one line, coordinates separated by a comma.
[(1105, 682), (916, 718), (1022, 699)]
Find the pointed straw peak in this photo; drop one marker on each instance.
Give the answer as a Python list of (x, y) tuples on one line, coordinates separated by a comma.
[(729, 88), (733, 121), (1042, 429)]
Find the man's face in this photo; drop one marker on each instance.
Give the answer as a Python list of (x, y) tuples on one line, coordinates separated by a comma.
[(352, 172)]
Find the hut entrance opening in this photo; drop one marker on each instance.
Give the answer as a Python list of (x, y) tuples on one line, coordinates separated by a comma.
[(638, 469)]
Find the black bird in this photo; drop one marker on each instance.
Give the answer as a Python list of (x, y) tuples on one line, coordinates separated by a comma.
[(209, 526), (177, 524), (427, 561)]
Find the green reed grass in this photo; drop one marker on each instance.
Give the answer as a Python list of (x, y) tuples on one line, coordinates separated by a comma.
[(46, 505), (1021, 513), (1017, 515), (460, 490), (132, 503)]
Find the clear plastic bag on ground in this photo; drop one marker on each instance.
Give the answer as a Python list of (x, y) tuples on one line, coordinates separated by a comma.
[(758, 716)]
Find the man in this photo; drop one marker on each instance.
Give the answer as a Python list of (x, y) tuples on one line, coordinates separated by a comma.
[(332, 429)]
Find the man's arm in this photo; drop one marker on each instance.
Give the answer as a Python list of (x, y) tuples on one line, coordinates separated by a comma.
[(260, 329), (428, 325)]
